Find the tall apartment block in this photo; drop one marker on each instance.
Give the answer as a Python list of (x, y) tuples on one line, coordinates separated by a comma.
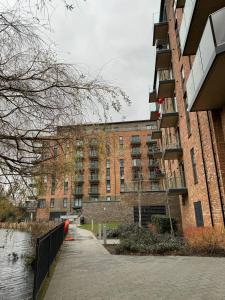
[(105, 170), (189, 97)]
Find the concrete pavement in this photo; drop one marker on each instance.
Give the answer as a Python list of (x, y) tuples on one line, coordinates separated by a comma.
[(86, 271)]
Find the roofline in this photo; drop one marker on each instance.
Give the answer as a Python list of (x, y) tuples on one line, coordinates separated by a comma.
[(108, 123)]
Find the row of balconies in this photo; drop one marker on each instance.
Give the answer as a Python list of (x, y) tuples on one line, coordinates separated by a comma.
[(202, 33)]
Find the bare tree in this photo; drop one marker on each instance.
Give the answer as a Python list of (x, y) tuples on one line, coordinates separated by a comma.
[(38, 93)]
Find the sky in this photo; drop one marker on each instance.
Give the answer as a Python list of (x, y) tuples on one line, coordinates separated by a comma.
[(113, 38)]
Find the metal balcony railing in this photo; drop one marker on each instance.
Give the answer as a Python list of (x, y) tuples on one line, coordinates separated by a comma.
[(93, 177), (205, 84), (135, 141)]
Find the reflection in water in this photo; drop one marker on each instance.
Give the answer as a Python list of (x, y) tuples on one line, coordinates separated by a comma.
[(16, 279)]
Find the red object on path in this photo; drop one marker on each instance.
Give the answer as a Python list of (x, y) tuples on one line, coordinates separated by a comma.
[(70, 239), (66, 226)]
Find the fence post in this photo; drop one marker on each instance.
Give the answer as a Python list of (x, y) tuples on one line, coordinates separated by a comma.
[(104, 234), (100, 231), (36, 270), (92, 225)]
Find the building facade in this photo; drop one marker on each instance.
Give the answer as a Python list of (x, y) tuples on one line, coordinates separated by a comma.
[(105, 171), (189, 99)]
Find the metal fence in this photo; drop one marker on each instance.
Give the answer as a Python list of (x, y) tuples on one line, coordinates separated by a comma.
[(47, 248)]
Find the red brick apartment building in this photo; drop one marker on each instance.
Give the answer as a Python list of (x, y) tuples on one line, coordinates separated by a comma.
[(104, 170), (189, 96)]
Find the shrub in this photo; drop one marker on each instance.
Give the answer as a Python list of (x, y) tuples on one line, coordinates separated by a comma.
[(134, 239), (162, 223), (206, 240)]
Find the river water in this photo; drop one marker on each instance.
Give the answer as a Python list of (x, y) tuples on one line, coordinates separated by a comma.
[(16, 279)]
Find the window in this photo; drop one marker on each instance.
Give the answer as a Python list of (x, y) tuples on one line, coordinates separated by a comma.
[(182, 73), (151, 126), (108, 198), (41, 203), (108, 186), (108, 174), (107, 149), (66, 185), (188, 121), (94, 189), (136, 162), (52, 202), (121, 163), (178, 38), (122, 186), (107, 163), (64, 202), (194, 167), (198, 214), (78, 189), (55, 151), (77, 202), (53, 186), (121, 140)]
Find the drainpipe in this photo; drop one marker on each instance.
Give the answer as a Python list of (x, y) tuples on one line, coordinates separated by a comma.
[(205, 171), (216, 166)]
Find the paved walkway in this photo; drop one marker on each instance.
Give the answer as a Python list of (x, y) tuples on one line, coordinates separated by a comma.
[(86, 271)]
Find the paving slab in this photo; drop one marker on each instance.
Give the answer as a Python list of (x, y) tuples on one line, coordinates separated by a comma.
[(86, 271)]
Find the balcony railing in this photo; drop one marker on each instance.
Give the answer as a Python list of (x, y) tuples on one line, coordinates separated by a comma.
[(94, 190), (78, 191), (153, 164), (93, 154), (94, 178), (205, 85), (150, 140), (172, 151), (194, 19), (165, 84), (163, 57), (136, 152), (79, 143), (79, 178), (179, 4), (135, 141), (156, 134), (93, 166), (139, 186), (176, 186), (160, 31)]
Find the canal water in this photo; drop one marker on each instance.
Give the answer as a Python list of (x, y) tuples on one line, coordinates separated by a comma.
[(16, 278)]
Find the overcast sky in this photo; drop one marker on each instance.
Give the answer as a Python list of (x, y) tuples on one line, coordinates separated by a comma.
[(113, 37)]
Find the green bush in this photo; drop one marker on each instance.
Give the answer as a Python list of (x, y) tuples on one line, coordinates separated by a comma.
[(162, 223), (134, 239)]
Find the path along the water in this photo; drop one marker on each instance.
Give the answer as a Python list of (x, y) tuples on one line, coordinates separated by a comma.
[(86, 271)]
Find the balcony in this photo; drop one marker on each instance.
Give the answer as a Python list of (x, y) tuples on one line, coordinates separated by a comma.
[(79, 143), (135, 141), (165, 84), (78, 191), (172, 152), (150, 140), (205, 85), (153, 164), (79, 155), (154, 115), (160, 31), (136, 165), (136, 186), (169, 119), (152, 97), (156, 134), (77, 203), (79, 166), (31, 206), (163, 58), (157, 175), (179, 4), (93, 166), (135, 153), (94, 178), (79, 178), (94, 190), (195, 16), (155, 152), (176, 186), (93, 154)]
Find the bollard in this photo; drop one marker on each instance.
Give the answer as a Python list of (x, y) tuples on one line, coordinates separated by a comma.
[(100, 231), (92, 225), (104, 234)]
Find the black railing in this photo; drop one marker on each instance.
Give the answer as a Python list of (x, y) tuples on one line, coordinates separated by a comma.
[(47, 248)]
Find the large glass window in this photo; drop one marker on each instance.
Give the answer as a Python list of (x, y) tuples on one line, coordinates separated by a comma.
[(52, 202), (41, 203), (64, 202)]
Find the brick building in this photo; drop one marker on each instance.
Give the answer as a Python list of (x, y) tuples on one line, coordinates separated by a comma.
[(104, 170), (189, 98)]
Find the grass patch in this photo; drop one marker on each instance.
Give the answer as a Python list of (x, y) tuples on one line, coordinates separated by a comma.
[(109, 226)]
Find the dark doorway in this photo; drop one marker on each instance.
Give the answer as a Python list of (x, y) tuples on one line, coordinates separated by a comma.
[(198, 214), (147, 212)]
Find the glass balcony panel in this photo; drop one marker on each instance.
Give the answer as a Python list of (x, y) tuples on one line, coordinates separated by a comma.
[(218, 20)]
